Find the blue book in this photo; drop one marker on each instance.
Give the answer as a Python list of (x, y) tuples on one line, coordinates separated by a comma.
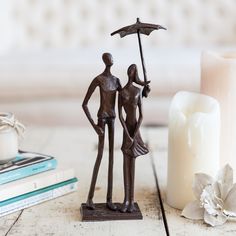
[(37, 197), (26, 164)]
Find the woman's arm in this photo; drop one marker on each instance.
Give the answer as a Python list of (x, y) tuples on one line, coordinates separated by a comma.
[(122, 121), (140, 119)]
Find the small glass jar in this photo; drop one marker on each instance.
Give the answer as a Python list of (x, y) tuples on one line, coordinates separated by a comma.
[(8, 139)]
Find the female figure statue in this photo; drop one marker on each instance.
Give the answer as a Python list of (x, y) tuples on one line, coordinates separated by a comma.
[(130, 98)]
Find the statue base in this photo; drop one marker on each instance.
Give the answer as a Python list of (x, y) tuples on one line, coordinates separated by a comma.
[(102, 213)]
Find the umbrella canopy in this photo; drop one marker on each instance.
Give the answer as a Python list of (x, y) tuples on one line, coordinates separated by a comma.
[(139, 28), (143, 28)]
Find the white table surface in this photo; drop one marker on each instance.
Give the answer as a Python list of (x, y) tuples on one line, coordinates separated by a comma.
[(74, 146)]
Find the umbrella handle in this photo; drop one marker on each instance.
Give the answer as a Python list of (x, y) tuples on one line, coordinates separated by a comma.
[(142, 58), (146, 88)]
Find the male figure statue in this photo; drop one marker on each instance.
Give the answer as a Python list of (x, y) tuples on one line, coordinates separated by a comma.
[(108, 86)]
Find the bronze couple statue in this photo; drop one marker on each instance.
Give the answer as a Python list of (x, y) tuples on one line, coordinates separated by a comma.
[(129, 100)]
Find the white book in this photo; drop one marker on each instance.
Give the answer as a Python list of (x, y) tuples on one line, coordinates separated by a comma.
[(35, 182), (37, 197)]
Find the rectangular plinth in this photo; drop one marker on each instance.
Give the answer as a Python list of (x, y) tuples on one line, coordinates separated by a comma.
[(102, 213)]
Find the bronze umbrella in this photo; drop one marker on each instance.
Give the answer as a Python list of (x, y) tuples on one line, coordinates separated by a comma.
[(139, 28)]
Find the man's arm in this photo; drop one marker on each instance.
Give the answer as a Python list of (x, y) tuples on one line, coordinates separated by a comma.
[(88, 95)]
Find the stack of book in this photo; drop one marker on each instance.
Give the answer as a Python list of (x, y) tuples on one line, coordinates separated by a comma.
[(32, 178)]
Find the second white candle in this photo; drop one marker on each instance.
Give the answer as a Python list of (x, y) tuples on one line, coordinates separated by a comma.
[(194, 132)]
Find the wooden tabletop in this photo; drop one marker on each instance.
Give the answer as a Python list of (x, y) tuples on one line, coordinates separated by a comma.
[(76, 147)]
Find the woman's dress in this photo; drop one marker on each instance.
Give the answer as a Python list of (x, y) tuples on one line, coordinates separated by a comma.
[(138, 147)]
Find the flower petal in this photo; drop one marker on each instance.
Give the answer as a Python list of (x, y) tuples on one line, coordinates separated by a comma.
[(193, 211), (216, 188), (214, 220), (209, 200), (230, 201), (225, 180), (200, 181)]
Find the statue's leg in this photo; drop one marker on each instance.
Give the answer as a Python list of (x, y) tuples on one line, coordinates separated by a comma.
[(126, 166), (89, 203), (131, 207), (111, 131)]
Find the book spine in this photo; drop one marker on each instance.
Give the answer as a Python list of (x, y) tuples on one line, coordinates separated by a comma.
[(27, 171), (33, 183), (38, 198), (43, 190)]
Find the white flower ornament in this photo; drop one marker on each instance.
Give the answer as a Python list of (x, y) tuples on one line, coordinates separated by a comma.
[(215, 199)]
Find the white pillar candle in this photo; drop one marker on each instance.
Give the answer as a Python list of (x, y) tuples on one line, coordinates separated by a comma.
[(194, 130), (218, 79), (8, 137)]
